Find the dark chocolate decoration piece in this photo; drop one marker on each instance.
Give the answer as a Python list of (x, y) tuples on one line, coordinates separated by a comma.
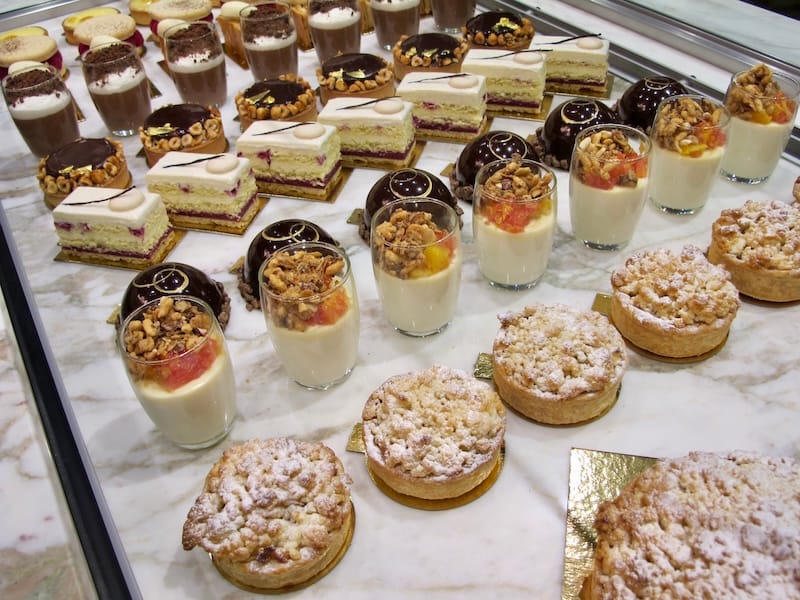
[(637, 105), (83, 153), (568, 119)]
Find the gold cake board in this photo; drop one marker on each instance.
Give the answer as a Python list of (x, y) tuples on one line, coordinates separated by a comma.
[(136, 264)]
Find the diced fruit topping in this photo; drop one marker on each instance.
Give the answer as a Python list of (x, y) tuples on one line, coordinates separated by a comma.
[(756, 96), (606, 159), (690, 126), (515, 195)]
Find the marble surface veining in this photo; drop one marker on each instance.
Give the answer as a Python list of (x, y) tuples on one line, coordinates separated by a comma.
[(508, 543)]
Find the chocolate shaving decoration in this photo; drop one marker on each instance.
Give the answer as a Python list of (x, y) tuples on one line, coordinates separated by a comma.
[(194, 162), (367, 103), (284, 128), (117, 195), (569, 39)]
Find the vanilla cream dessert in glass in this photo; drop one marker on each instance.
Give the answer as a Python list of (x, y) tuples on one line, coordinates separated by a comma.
[(513, 221), (608, 185), (763, 107), (689, 136), (416, 260), (180, 370), (310, 306)]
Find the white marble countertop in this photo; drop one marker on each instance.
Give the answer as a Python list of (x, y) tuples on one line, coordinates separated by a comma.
[(507, 544)]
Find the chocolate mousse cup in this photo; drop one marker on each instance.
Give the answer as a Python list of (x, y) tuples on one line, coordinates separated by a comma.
[(393, 19), (41, 107), (196, 62), (270, 39), (450, 16), (335, 27), (118, 86)]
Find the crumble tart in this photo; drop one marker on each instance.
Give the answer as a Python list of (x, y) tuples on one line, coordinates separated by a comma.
[(674, 304), (557, 364), (273, 513), (702, 526), (433, 434), (759, 245)]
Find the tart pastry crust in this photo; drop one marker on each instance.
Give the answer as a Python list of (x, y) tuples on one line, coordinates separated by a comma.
[(673, 304), (433, 434), (273, 513), (557, 364), (759, 245)]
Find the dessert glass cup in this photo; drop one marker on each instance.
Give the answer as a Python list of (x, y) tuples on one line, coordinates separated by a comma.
[(421, 302), (451, 15), (191, 397), (680, 181), (323, 351), (394, 18), (758, 137), (607, 193), (513, 234), (118, 86), (270, 40), (197, 63), (42, 109), (335, 27)]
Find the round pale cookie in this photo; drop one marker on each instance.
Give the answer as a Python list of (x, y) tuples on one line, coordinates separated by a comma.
[(673, 304), (759, 245), (273, 513), (557, 364), (433, 434), (71, 22), (701, 526)]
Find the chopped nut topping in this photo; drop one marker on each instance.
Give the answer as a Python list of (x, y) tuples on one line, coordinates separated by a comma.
[(406, 245), (690, 126), (515, 195), (606, 159), (756, 96), (301, 281)]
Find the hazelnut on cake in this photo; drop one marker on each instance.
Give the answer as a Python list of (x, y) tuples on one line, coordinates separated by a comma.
[(702, 526), (759, 245), (673, 304), (557, 364), (433, 434), (273, 513)]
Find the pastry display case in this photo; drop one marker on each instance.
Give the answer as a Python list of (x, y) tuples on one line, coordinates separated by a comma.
[(126, 489)]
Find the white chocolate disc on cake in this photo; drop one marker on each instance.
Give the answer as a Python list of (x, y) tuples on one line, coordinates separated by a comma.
[(590, 43), (309, 131), (527, 58), (127, 201), (464, 82), (390, 106), (222, 164), (21, 65), (102, 39), (231, 10)]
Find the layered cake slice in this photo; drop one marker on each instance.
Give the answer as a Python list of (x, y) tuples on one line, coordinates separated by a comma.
[(293, 159), (125, 228), (372, 133), (514, 80), (452, 107), (575, 66), (206, 191)]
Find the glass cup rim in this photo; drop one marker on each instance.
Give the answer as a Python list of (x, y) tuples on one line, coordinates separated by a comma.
[(640, 135), (777, 74), (210, 29), (290, 248), (498, 164), (245, 12), (717, 104), (41, 67), (313, 4), (154, 302), (447, 208)]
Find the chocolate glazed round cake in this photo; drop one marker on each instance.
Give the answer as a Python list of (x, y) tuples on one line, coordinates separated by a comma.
[(169, 278), (186, 127), (272, 238), (637, 105), (499, 29), (287, 98), (438, 52), (491, 146), (360, 75), (403, 183), (555, 140)]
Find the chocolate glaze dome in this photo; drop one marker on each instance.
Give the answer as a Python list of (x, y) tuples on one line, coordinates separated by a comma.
[(175, 119), (403, 183), (489, 147), (80, 153), (637, 105), (499, 28), (353, 67), (564, 123), (169, 278), (437, 46), (272, 238)]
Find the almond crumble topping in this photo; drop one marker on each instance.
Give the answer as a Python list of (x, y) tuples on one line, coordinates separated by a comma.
[(406, 245)]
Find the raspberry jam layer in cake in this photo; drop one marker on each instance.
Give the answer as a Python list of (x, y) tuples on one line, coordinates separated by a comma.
[(293, 159), (372, 133), (576, 66), (514, 80), (446, 106), (105, 225), (205, 191)]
